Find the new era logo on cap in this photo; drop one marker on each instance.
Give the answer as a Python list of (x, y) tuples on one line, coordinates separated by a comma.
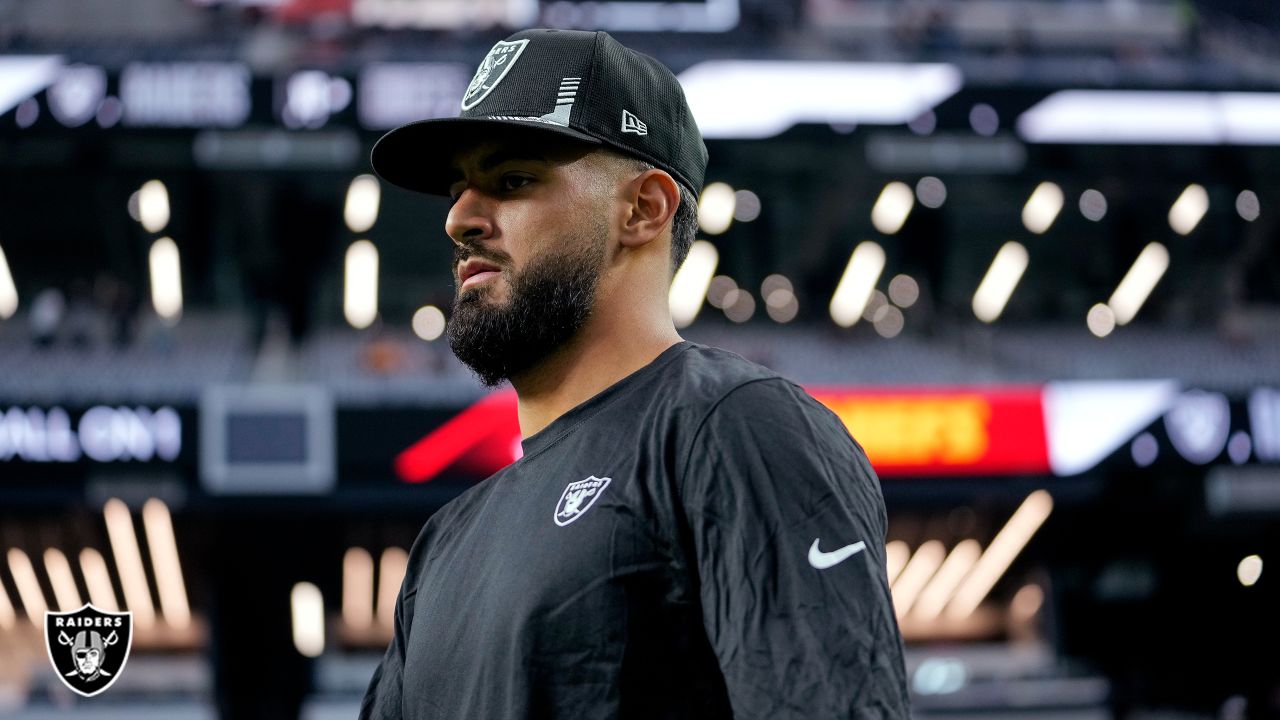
[(633, 124), (575, 84)]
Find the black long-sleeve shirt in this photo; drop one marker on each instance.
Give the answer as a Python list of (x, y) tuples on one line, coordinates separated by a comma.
[(702, 539)]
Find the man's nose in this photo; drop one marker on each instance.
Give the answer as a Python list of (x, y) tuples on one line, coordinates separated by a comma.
[(470, 218)]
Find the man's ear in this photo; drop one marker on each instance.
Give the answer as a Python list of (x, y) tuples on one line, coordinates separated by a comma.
[(652, 198)]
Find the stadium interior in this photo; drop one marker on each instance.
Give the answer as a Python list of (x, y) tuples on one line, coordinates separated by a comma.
[(1027, 250)]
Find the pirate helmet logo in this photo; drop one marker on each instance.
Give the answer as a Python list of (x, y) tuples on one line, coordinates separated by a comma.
[(577, 498), (492, 69), (88, 647)]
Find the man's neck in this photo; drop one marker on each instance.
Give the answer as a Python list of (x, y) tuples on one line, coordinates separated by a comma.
[(584, 367)]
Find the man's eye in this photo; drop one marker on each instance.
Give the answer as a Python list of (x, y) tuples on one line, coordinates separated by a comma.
[(515, 182)]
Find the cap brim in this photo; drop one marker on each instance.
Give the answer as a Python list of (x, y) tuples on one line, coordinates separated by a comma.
[(419, 156)]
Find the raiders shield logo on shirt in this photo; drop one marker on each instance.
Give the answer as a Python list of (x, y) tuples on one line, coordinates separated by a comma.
[(88, 647), (577, 498), (492, 69)]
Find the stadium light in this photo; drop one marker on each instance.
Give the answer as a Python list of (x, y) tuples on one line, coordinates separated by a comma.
[(22, 76), (716, 207), (124, 545), (931, 192), (63, 582), (360, 290), (391, 570), (363, 198), (1153, 117), (942, 587), (153, 206), (1042, 208), (691, 282), (892, 207), (428, 322), (922, 566), (997, 286), (1093, 205), (1138, 283), (746, 206), (1101, 320), (999, 555), (357, 589), (762, 98), (98, 580), (166, 279), (165, 563), (307, 613), (24, 577), (1249, 570), (856, 285), (1247, 205), (1188, 209), (8, 291)]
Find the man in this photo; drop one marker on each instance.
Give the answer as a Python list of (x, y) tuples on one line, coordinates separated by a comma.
[(687, 535)]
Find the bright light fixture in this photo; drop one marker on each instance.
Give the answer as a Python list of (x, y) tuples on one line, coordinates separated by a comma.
[(166, 279), (153, 206), (856, 285), (165, 563), (391, 570), (691, 282), (124, 545), (762, 98), (24, 577), (995, 560), (998, 284), (1042, 207), (935, 596), (892, 207), (920, 568), (357, 588), (98, 580), (1249, 570), (8, 291), (360, 291), (1188, 209), (716, 207), (428, 322), (63, 582), (1138, 283), (307, 613), (1154, 117), (363, 198)]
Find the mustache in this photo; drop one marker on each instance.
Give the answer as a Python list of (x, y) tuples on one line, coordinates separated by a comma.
[(462, 253)]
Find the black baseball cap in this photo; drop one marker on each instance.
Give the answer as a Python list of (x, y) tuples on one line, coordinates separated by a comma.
[(581, 85)]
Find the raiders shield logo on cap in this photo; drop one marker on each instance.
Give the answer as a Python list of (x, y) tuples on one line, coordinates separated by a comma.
[(492, 69), (88, 647)]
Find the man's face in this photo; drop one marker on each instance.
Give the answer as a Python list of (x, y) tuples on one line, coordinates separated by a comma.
[(87, 660), (530, 226)]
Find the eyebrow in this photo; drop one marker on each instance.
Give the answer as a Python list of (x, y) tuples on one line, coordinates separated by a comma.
[(497, 158)]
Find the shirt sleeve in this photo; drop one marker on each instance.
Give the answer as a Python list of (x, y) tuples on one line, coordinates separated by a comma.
[(383, 700), (787, 523)]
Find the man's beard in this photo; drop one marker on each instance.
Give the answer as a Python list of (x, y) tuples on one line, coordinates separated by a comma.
[(550, 300)]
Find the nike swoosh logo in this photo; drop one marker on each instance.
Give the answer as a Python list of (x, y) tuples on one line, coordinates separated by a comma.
[(824, 560)]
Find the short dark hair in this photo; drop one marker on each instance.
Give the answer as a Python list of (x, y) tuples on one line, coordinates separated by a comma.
[(684, 225)]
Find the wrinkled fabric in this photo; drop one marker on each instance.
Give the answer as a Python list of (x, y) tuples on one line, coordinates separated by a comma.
[(682, 588)]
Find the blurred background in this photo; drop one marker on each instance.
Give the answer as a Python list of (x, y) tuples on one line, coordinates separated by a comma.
[(1026, 249)]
